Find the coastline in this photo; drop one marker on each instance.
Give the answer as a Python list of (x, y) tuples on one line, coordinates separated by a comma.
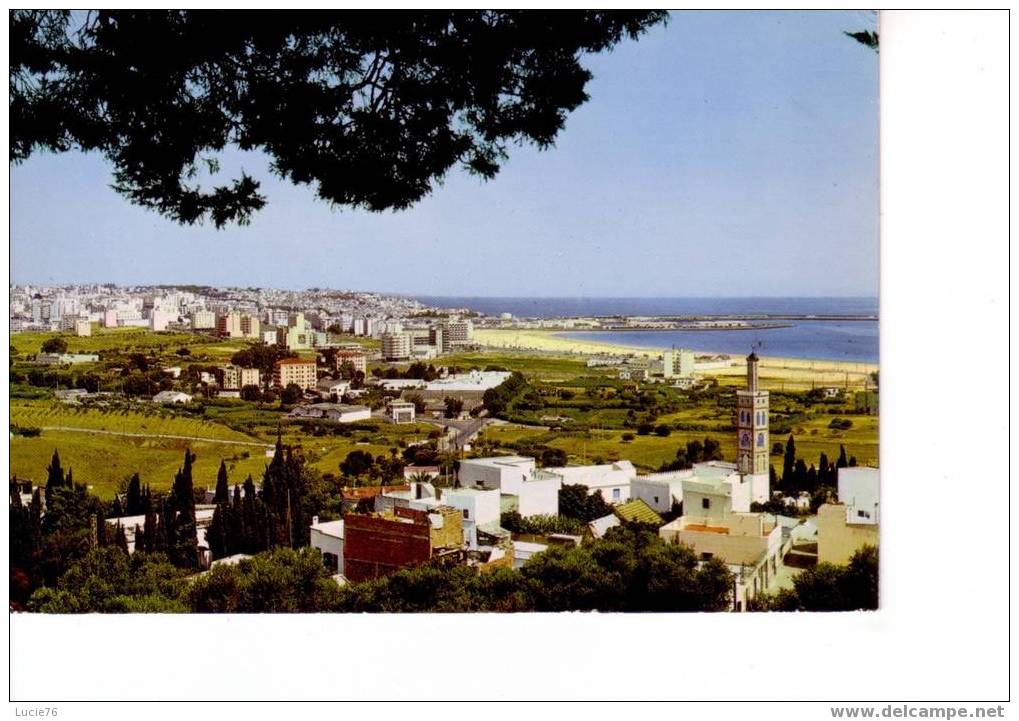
[(795, 371)]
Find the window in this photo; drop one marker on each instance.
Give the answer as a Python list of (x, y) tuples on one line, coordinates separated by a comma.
[(760, 440), (615, 494), (331, 561), (467, 514), (656, 499), (707, 556), (705, 503)]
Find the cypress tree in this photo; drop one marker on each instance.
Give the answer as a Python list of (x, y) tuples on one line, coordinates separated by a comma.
[(54, 476), (842, 462), (116, 510), (822, 470), (120, 539), (218, 533), (222, 485), (800, 476), (788, 465), (100, 529), (133, 498)]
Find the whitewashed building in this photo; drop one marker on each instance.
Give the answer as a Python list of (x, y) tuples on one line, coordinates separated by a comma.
[(611, 480), (327, 537)]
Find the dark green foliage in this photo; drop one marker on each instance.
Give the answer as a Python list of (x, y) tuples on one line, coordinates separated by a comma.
[(497, 400), (870, 39), (222, 485), (553, 458), (371, 108), (842, 462), (281, 581), (291, 394), (107, 580), (454, 407), (133, 502), (631, 569), (54, 345), (178, 518), (576, 503), (828, 587)]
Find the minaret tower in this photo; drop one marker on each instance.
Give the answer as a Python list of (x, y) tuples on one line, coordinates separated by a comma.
[(752, 442)]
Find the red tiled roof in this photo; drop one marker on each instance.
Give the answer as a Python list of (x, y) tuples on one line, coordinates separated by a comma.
[(365, 492)]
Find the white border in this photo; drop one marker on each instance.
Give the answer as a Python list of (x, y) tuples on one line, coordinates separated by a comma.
[(942, 632)]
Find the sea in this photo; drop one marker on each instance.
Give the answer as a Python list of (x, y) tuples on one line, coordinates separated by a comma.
[(830, 339)]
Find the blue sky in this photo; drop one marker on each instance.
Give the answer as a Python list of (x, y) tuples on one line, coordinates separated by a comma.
[(725, 154)]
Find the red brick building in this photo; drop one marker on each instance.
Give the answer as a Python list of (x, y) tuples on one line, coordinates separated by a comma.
[(377, 545)]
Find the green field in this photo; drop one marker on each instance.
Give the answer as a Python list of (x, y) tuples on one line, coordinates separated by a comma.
[(546, 367), (651, 451), (238, 433)]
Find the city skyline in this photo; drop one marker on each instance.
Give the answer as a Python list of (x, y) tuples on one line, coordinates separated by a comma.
[(745, 177)]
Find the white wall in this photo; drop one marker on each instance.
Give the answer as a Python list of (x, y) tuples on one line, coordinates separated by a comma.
[(506, 478), (539, 498), (482, 506), (328, 544), (858, 490), (657, 493)]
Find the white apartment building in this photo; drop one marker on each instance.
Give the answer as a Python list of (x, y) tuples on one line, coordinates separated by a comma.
[(396, 346), (611, 480), (235, 377)]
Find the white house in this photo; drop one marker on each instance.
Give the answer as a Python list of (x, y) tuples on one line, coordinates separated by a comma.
[(539, 495), (612, 480), (480, 508), (337, 412), (401, 411), (327, 537), (503, 473), (329, 387), (662, 490), (749, 543), (171, 397), (858, 490)]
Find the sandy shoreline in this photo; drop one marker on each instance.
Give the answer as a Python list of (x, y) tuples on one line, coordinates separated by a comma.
[(796, 371)]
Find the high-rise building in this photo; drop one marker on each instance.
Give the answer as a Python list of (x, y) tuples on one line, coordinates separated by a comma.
[(295, 370), (203, 320), (235, 377), (396, 346), (677, 363), (229, 325), (356, 358), (752, 432), (456, 333), (250, 327)]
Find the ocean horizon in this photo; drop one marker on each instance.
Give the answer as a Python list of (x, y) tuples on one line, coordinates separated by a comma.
[(566, 306)]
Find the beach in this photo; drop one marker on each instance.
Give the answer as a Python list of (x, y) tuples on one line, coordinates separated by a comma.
[(776, 372)]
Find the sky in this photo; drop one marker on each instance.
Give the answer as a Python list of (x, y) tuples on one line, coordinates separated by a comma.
[(724, 154)]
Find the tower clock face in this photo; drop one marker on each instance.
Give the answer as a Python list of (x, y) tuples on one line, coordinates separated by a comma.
[(744, 440)]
